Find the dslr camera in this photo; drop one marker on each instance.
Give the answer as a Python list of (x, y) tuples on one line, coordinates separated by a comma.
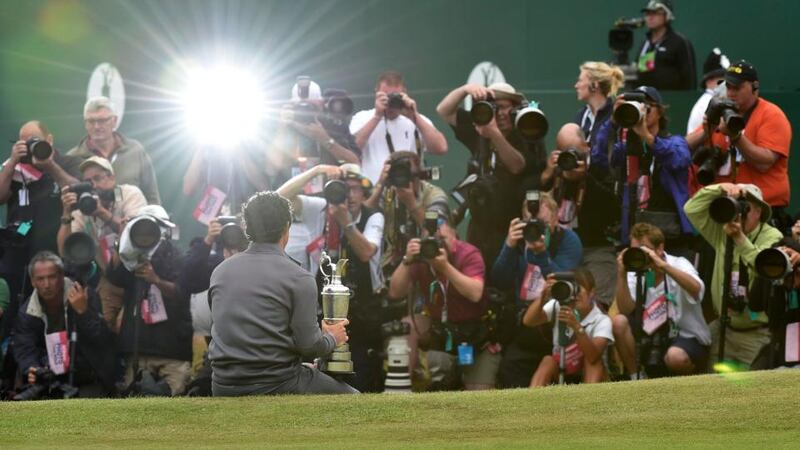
[(636, 260), (725, 109), (566, 288), (528, 119), (726, 209), (232, 235), (569, 158), (38, 148), (47, 385), (632, 110), (87, 197), (708, 160), (401, 174), (396, 101), (335, 192), (430, 245), (534, 228)]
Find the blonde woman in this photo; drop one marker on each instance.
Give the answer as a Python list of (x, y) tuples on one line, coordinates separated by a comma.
[(597, 84)]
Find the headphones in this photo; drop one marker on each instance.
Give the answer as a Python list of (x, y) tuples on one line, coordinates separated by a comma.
[(756, 85)]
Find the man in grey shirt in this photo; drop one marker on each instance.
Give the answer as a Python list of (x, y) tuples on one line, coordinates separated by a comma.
[(264, 314)]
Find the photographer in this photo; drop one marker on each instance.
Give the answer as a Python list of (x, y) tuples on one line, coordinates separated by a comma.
[(394, 124), (522, 266), (43, 342), (586, 336), (652, 167), (403, 196), (346, 229), (713, 75), (750, 233), (330, 129), (758, 154), (277, 302), (29, 188), (110, 207), (666, 57), (130, 161), (505, 163), (597, 84), (156, 331), (449, 287), (672, 306), (565, 175)]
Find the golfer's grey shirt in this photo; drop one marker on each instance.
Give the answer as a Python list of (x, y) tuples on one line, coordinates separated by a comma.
[(264, 318)]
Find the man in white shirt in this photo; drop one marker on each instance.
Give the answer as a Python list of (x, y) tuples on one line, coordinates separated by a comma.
[(672, 306), (394, 124), (713, 74)]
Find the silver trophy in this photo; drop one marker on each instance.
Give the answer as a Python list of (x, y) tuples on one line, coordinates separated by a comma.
[(335, 307)]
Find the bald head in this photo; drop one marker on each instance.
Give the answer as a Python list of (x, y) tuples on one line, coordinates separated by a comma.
[(35, 129), (571, 136)]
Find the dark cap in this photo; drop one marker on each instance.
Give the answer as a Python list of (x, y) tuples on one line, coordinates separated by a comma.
[(651, 93), (715, 65), (663, 5), (739, 72)]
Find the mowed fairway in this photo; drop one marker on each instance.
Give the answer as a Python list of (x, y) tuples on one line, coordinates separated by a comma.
[(731, 411)]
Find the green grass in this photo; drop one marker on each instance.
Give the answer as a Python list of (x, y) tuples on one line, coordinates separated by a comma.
[(731, 411)]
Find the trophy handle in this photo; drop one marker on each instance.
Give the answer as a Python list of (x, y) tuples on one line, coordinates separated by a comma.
[(325, 260)]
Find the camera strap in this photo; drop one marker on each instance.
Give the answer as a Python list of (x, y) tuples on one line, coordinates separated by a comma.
[(389, 142)]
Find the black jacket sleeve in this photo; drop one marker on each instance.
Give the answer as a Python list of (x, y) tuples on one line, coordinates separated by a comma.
[(28, 341)]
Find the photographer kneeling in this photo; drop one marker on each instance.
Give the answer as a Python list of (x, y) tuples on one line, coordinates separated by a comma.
[(672, 307), (44, 344), (734, 216), (582, 333), (448, 284)]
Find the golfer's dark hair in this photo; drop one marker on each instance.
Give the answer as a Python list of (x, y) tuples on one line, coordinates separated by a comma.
[(266, 216)]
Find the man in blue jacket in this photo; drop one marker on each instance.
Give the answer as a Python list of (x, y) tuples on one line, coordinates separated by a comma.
[(522, 266), (653, 170), (46, 320)]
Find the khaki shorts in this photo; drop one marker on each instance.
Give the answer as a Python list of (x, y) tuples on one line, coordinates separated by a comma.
[(111, 299), (436, 366), (741, 346)]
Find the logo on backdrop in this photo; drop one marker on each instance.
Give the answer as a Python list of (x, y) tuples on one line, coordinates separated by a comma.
[(485, 73), (107, 81)]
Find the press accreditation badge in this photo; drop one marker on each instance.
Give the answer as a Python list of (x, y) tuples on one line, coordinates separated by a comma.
[(153, 310), (210, 205), (58, 352), (532, 284), (655, 315)]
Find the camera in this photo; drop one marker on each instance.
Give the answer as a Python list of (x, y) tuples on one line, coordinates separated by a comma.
[(569, 158), (636, 260), (482, 112), (632, 110), (620, 37), (46, 385), (534, 230), (395, 101), (401, 174), (725, 209), (232, 235), (398, 377), (38, 148), (430, 245), (773, 264), (79, 254), (335, 192), (301, 112), (530, 121), (477, 192), (532, 202), (565, 289), (145, 233), (338, 107), (708, 160), (87, 197), (725, 109)]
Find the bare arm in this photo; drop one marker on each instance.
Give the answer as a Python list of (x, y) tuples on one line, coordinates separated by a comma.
[(365, 132), (435, 141), (363, 248), (448, 107), (471, 288), (761, 158)]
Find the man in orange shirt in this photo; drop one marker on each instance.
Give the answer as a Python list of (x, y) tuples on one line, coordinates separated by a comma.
[(761, 149)]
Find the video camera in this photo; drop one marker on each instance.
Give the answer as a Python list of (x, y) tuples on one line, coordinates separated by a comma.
[(565, 289), (725, 109), (430, 245), (232, 235), (87, 197), (726, 209), (620, 38), (527, 118), (709, 160), (569, 158), (632, 110), (636, 260), (46, 385), (401, 174), (38, 148)]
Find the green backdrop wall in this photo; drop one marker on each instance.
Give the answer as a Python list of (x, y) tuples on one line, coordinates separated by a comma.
[(48, 50)]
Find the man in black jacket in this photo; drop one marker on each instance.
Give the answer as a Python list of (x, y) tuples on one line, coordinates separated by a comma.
[(57, 307), (155, 310), (666, 58)]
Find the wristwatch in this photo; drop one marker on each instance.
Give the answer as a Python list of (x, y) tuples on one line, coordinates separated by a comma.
[(581, 330), (66, 220)]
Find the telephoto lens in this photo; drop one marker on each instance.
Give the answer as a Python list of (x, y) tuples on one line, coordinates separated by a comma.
[(565, 289), (335, 192), (87, 202), (145, 233), (568, 159), (628, 114), (773, 264), (530, 122), (533, 231), (636, 260), (482, 112), (39, 149), (726, 209)]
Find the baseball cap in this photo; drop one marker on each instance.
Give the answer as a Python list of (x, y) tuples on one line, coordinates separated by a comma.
[(651, 93), (753, 193), (504, 91), (97, 161), (740, 72), (664, 5), (352, 171)]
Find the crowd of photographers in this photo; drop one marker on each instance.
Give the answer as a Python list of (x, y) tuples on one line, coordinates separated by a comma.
[(588, 262)]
